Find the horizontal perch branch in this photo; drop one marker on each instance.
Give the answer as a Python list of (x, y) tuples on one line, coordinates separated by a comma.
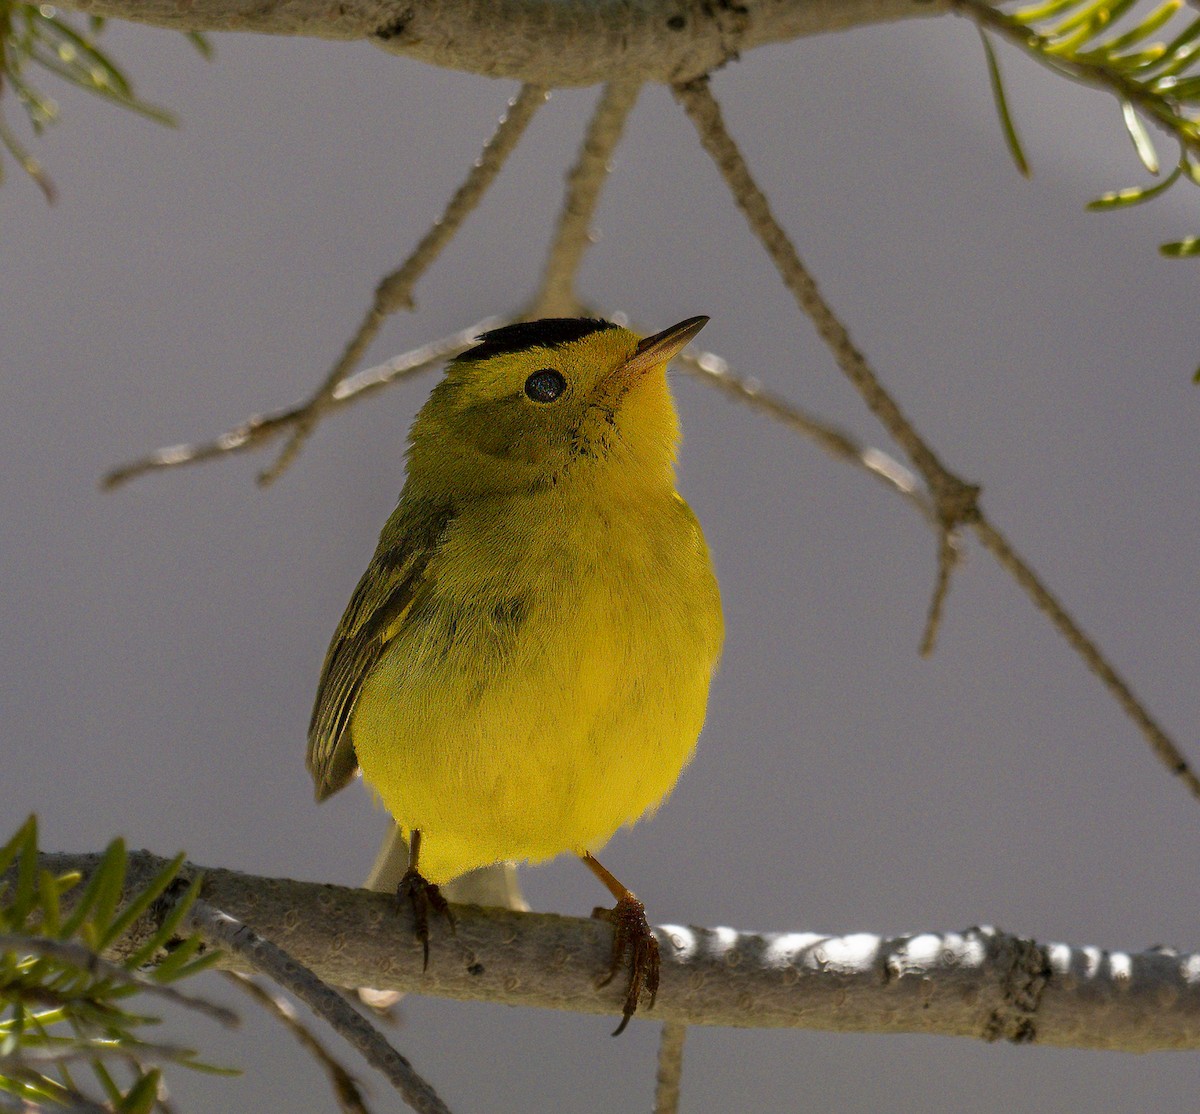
[(980, 983), (541, 42)]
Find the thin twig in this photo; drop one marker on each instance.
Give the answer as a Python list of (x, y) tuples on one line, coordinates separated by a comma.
[(232, 935), (349, 1098), (585, 180), (394, 291), (1161, 743), (701, 106), (956, 501), (260, 429), (83, 958), (711, 368), (669, 1078), (949, 554)]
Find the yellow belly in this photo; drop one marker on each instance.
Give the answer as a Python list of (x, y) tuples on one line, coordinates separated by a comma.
[(536, 709)]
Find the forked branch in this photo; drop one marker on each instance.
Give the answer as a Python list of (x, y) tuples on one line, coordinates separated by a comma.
[(260, 430), (249, 949), (956, 501), (394, 291)]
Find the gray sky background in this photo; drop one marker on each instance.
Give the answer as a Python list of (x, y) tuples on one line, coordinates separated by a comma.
[(161, 644)]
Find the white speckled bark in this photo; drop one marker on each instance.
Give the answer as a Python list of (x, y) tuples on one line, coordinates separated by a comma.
[(980, 983)]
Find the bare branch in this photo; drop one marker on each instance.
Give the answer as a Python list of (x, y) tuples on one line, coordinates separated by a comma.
[(1161, 743), (260, 954), (345, 1090), (701, 106), (980, 983), (586, 179), (261, 429), (543, 42), (711, 368), (949, 554), (956, 501), (670, 1068), (394, 291)]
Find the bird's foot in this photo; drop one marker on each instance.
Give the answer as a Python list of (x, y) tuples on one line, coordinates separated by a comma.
[(631, 932), (423, 896)]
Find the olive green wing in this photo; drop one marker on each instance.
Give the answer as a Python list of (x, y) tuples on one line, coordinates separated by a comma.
[(395, 579)]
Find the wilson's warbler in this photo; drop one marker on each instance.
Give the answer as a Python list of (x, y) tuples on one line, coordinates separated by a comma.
[(525, 664)]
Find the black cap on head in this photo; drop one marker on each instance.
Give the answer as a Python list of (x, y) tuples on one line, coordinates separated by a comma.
[(549, 332)]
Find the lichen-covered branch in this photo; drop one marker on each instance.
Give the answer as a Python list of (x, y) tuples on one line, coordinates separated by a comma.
[(980, 983)]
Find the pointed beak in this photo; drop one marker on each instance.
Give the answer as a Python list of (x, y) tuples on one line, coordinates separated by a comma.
[(662, 347), (656, 351)]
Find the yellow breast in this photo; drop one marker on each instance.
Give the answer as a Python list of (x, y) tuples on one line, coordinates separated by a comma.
[(550, 685)]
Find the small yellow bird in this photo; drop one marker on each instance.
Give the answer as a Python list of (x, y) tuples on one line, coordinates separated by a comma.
[(525, 664)]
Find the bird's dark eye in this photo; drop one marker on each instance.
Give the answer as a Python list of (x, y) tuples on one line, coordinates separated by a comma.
[(545, 385)]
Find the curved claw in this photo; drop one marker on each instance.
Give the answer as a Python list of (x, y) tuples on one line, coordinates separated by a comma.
[(631, 931), (423, 896)]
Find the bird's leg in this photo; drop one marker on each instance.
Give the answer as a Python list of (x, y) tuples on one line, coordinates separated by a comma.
[(632, 931), (422, 896)]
